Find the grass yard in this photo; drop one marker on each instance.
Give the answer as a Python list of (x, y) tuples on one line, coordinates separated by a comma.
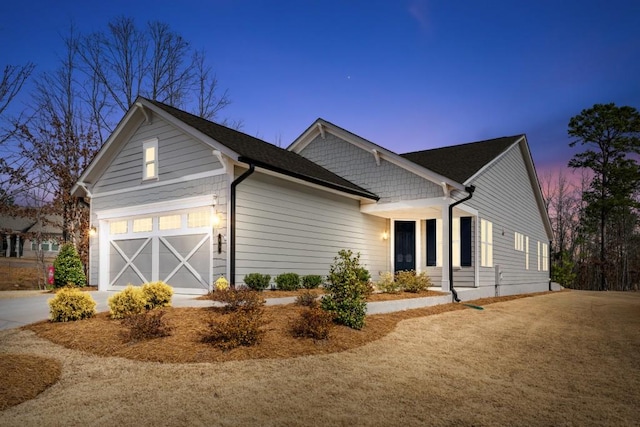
[(18, 274), (567, 358)]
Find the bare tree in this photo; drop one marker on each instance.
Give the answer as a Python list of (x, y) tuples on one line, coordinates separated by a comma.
[(209, 103), (13, 78)]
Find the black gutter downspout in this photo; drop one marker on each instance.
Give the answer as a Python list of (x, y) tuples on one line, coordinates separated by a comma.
[(470, 189), (232, 257)]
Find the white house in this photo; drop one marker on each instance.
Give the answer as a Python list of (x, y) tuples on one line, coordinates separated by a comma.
[(178, 198)]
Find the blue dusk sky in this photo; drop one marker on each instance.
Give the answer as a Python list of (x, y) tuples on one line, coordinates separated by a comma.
[(405, 74)]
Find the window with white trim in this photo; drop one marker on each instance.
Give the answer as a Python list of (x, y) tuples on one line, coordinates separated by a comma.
[(486, 243), (526, 252), (150, 159), (543, 256), (519, 241)]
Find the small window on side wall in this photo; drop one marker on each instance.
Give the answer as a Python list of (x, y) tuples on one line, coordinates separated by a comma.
[(150, 159)]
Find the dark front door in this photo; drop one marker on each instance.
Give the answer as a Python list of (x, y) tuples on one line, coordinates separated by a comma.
[(405, 245)]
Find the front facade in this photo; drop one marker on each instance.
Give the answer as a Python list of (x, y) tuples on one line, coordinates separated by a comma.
[(177, 198)]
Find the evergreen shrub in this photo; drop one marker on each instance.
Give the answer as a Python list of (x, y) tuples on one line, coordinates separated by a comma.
[(71, 304), (346, 298), (157, 294), (68, 269), (257, 281), (311, 281), (288, 281), (127, 302), (387, 283)]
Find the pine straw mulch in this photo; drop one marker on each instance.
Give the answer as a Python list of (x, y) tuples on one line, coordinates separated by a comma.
[(103, 336), (25, 376)]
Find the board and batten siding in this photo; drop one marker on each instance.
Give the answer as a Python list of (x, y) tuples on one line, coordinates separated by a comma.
[(178, 155), (389, 182), (504, 196), (287, 227)]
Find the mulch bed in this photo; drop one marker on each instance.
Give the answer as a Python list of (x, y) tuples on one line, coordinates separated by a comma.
[(103, 336), (24, 377)]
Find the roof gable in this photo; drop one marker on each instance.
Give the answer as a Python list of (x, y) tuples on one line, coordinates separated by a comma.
[(461, 162), (237, 145)]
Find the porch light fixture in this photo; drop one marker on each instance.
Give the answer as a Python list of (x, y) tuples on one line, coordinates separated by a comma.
[(385, 235), (92, 231)]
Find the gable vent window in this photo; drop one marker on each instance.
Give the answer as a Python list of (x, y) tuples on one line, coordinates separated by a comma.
[(150, 159)]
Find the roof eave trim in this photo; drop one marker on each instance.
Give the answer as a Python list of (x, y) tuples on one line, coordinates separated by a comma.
[(382, 153), (309, 179)]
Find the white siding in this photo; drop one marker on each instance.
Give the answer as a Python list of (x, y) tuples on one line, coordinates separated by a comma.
[(390, 182), (286, 227), (505, 197)]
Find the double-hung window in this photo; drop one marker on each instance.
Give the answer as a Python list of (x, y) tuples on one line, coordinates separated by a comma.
[(486, 243), (460, 239)]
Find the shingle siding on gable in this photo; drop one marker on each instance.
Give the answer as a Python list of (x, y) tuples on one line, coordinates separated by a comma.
[(286, 227), (390, 182), (505, 197), (178, 155)]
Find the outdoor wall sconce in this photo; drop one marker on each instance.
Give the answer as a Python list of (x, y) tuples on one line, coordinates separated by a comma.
[(92, 231), (385, 235), (215, 220)]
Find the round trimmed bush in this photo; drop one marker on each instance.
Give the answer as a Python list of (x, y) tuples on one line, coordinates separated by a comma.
[(288, 281), (157, 294), (71, 304), (126, 303), (257, 281)]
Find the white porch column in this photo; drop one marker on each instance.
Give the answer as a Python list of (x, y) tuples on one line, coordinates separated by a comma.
[(445, 284), (8, 251)]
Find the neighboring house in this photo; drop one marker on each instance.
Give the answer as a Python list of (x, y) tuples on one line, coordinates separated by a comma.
[(178, 198), (23, 236)]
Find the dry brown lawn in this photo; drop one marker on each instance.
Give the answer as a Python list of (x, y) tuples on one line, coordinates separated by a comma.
[(567, 358), (18, 274)]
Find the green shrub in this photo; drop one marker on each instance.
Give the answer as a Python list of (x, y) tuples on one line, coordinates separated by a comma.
[(240, 328), (236, 299), (313, 323), (257, 281), (288, 281), (71, 304), (411, 282), (311, 281), (346, 291), (126, 303), (157, 294), (388, 284), (146, 325), (68, 270), (307, 299)]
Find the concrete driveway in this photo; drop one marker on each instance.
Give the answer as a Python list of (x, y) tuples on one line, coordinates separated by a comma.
[(19, 308)]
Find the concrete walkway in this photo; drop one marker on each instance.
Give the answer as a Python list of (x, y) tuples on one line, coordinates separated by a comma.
[(19, 308)]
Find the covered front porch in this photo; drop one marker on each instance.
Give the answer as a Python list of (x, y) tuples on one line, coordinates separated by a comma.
[(418, 239)]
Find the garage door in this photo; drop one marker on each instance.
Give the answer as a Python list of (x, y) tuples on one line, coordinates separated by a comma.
[(175, 247)]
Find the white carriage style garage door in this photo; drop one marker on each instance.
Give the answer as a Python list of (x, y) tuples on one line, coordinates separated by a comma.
[(174, 247)]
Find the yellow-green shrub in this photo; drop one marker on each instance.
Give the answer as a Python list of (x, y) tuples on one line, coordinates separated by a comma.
[(157, 294), (126, 303), (71, 304)]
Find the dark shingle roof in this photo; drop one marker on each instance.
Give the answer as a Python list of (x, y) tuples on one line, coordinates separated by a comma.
[(461, 162), (265, 155)]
